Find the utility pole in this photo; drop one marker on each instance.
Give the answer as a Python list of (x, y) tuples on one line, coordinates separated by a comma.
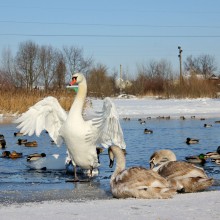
[(120, 79), (180, 58)]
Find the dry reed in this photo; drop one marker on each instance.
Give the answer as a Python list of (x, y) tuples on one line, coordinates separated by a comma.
[(18, 100)]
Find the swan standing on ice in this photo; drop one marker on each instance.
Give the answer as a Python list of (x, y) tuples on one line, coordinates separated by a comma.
[(81, 137)]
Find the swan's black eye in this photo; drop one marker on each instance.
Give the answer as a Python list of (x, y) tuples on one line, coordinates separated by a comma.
[(74, 78)]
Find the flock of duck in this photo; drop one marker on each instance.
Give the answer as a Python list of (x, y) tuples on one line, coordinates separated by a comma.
[(15, 154), (166, 175)]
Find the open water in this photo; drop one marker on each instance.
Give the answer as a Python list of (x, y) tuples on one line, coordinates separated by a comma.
[(20, 184)]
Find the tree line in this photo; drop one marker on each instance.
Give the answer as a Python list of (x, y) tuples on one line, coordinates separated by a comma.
[(36, 65)]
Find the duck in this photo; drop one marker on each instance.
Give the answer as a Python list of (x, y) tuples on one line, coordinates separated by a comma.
[(35, 156), (212, 155), (31, 144), (15, 155), (142, 122), (148, 131), (21, 141), (183, 176), (192, 141), (136, 182), (207, 125), (217, 161), (6, 153), (46, 162), (200, 159), (81, 136), (17, 134), (2, 143), (12, 155)]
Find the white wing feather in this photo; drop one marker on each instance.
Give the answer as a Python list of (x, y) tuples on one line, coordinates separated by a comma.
[(46, 114), (109, 130)]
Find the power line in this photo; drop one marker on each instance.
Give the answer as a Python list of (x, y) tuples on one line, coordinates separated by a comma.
[(110, 36), (108, 25)]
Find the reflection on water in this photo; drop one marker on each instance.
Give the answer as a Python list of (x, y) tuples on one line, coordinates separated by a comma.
[(19, 183)]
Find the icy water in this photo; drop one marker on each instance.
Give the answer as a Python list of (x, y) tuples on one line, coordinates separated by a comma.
[(20, 184)]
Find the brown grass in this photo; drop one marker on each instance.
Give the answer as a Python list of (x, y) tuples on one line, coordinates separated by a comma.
[(18, 101)]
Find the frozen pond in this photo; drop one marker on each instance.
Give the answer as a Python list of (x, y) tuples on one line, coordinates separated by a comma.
[(18, 183)]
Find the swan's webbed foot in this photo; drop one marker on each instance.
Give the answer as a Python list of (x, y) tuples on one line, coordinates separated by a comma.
[(76, 179)]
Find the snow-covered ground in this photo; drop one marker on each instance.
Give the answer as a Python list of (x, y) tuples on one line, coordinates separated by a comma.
[(203, 205), (203, 107)]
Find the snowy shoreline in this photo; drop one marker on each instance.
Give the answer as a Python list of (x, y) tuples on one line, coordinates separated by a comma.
[(201, 205)]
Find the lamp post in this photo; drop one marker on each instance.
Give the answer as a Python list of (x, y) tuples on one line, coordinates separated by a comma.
[(180, 58)]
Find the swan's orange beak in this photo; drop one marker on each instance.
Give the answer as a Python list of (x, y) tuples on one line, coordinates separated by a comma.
[(73, 81)]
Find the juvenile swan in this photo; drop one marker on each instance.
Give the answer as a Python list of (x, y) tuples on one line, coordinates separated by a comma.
[(136, 182), (183, 176)]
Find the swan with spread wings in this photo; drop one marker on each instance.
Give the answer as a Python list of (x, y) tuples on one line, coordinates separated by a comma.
[(81, 136)]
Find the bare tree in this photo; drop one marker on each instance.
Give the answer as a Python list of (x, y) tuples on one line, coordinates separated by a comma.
[(75, 60), (7, 67), (60, 71), (47, 56), (99, 83), (27, 63), (203, 64), (153, 76)]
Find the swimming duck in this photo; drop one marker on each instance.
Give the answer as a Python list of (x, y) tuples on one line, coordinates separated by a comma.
[(17, 134), (142, 122), (192, 141), (81, 136), (35, 156), (148, 131), (212, 155), (31, 144), (2, 143), (207, 125), (47, 162), (21, 141), (136, 182), (217, 161), (15, 155), (183, 176), (200, 159), (6, 153)]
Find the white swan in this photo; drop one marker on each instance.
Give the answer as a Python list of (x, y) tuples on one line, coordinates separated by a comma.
[(81, 137), (136, 182), (184, 176)]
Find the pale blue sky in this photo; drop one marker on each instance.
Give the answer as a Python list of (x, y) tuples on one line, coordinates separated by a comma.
[(126, 32)]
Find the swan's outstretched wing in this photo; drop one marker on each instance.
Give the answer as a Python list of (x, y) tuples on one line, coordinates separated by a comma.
[(46, 114), (109, 130)]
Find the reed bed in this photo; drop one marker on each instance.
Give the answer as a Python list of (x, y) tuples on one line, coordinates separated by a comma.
[(19, 100)]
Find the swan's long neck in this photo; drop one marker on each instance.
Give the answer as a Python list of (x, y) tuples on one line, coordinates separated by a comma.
[(77, 106), (120, 161)]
